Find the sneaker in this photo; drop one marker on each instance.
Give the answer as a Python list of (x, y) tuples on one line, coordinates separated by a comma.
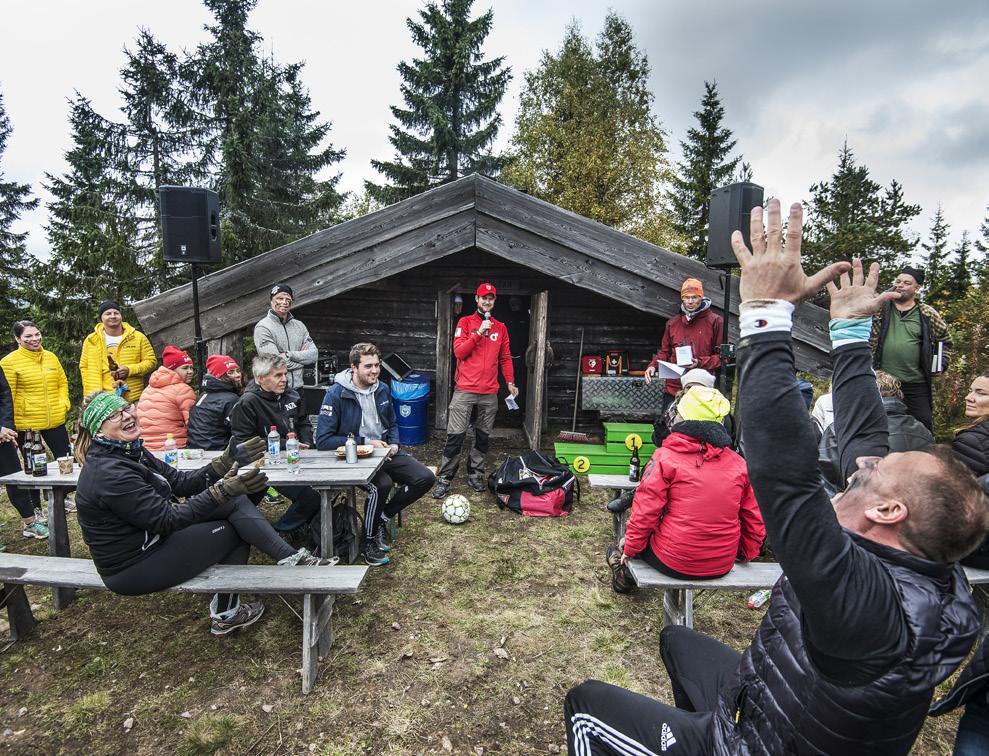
[(36, 529), (381, 537), (373, 556), (476, 482), (40, 516), (303, 558), (246, 614), (70, 504), (621, 576), (441, 489)]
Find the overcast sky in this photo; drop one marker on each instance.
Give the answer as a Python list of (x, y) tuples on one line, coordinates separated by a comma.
[(905, 82)]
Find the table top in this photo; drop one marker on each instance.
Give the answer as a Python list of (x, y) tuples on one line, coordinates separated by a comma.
[(320, 469), (600, 480)]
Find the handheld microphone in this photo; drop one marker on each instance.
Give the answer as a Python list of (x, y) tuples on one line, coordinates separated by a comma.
[(487, 316)]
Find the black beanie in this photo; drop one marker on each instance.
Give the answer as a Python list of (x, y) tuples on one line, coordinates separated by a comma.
[(917, 273), (279, 288), (107, 304)]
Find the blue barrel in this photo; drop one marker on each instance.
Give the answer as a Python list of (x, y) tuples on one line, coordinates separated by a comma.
[(410, 398)]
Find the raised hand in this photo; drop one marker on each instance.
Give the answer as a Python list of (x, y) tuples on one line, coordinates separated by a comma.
[(857, 298), (771, 269)]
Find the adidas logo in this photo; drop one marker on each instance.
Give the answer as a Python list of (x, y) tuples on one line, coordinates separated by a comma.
[(666, 738)]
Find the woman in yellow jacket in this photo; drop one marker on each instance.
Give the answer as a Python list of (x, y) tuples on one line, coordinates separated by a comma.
[(40, 395), (130, 349)]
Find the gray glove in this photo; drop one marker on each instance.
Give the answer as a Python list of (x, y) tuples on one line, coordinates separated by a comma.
[(233, 484), (243, 454)]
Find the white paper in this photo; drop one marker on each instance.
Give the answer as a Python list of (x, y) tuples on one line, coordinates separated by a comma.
[(511, 403), (685, 355), (669, 370)]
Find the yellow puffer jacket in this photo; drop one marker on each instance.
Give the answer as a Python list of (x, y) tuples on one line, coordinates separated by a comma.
[(38, 387), (134, 352)]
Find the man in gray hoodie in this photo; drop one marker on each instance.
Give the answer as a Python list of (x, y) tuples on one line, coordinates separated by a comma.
[(279, 333)]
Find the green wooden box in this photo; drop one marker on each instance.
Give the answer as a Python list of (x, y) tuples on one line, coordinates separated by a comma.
[(602, 461)]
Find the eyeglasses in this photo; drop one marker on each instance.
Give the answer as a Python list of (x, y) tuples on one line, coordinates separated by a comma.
[(118, 417)]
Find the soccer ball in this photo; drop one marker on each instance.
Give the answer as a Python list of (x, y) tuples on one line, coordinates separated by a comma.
[(455, 509)]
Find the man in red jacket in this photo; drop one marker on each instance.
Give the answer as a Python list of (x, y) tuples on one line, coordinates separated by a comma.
[(480, 345), (698, 327)]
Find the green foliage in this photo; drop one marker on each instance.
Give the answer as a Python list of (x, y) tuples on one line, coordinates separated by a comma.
[(706, 166), (586, 138), (451, 96), (14, 200), (852, 215), (936, 290)]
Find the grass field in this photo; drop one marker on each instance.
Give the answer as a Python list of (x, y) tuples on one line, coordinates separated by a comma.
[(466, 643)]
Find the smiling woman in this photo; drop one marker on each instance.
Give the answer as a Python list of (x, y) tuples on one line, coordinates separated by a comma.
[(971, 444)]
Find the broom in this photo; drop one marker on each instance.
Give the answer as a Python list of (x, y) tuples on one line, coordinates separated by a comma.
[(572, 435)]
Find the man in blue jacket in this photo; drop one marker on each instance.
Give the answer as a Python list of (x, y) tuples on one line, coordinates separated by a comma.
[(359, 403)]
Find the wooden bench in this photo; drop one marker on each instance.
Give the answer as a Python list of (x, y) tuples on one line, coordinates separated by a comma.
[(678, 596), (617, 484), (316, 585)]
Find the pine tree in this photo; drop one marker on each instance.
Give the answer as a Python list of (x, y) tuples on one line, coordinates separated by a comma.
[(14, 199), (935, 269), (851, 215), (451, 96), (92, 235), (981, 265), (959, 274), (586, 138), (705, 167)]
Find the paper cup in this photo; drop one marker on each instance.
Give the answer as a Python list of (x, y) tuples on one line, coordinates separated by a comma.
[(65, 465)]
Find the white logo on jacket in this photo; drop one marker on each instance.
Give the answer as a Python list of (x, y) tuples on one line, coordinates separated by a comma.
[(326, 409), (458, 331)]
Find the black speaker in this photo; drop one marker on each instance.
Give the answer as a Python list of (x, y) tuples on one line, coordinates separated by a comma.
[(729, 210), (190, 224)]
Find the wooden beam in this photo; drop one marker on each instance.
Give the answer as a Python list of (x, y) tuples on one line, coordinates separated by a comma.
[(444, 351)]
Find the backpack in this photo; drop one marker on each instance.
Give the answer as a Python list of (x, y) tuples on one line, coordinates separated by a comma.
[(534, 485), (346, 530)]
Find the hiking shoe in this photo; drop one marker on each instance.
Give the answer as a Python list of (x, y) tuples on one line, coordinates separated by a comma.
[(40, 516), (373, 556), (622, 503), (621, 576), (441, 489), (381, 537), (35, 530), (476, 482), (246, 614), (304, 558)]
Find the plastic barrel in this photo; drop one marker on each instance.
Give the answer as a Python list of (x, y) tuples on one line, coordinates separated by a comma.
[(410, 398)]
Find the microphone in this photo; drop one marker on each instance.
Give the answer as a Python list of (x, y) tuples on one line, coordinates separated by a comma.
[(487, 316)]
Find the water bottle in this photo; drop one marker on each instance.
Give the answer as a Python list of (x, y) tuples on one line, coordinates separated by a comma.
[(274, 446), (759, 598), (293, 459), (171, 451), (351, 448)]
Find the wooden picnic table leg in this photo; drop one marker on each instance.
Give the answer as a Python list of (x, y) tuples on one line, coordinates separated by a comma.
[(325, 523), (19, 614), (317, 635), (58, 540)]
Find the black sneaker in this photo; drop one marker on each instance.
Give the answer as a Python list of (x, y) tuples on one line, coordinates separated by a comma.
[(476, 482), (381, 537), (441, 489), (247, 614), (622, 503), (373, 556)]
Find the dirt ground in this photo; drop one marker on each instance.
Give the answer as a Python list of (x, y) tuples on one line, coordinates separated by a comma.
[(465, 644)]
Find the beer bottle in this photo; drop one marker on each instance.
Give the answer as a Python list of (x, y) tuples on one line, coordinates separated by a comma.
[(113, 365), (26, 452), (633, 464), (40, 456)]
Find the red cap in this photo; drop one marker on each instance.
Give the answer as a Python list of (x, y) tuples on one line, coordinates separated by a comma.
[(174, 357), (485, 289), (218, 365)]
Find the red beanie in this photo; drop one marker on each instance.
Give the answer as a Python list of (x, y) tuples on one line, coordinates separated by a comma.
[(174, 357), (218, 365)]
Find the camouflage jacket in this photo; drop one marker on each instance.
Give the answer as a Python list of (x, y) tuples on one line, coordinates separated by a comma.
[(933, 329)]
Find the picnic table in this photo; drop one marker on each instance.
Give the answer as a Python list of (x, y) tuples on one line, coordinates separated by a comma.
[(320, 469)]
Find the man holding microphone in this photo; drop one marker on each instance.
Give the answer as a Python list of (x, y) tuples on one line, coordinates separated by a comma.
[(480, 344)]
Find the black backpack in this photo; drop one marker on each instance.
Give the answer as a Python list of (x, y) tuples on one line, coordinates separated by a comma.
[(534, 485), (346, 530)]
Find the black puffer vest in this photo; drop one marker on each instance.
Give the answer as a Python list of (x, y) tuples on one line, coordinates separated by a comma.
[(778, 702)]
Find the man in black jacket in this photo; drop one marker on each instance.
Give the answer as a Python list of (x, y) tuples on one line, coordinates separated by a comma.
[(209, 418), (268, 401), (872, 611)]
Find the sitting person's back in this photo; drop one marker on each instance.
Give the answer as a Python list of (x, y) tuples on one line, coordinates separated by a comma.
[(694, 513), (165, 403), (209, 418)]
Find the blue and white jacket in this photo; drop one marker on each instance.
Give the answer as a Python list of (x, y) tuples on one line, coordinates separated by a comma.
[(341, 415)]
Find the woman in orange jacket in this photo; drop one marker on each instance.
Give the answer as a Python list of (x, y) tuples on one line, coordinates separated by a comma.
[(40, 396), (165, 403)]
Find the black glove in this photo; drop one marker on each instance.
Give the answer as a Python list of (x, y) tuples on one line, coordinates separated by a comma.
[(234, 484), (243, 454)]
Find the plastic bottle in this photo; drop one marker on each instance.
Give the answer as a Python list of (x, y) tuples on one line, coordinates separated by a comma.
[(351, 449), (759, 598), (293, 459), (274, 446), (171, 451)]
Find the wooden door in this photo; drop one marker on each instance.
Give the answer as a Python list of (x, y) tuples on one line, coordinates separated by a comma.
[(535, 395)]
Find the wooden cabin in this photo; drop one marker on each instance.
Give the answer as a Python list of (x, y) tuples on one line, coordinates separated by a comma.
[(398, 277)]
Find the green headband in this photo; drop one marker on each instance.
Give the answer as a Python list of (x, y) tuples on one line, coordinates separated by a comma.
[(100, 408)]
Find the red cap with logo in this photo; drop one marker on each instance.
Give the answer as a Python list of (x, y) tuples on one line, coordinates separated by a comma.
[(173, 357), (486, 289), (218, 365)]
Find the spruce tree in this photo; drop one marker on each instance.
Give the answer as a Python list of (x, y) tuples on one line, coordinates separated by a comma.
[(936, 271), (14, 199), (852, 215), (981, 265), (586, 138), (706, 166), (451, 96), (959, 274)]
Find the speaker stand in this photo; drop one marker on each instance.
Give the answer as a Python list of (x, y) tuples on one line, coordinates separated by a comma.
[(199, 343)]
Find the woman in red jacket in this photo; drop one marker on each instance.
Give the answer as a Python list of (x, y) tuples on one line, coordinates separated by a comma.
[(165, 403), (694, 514)]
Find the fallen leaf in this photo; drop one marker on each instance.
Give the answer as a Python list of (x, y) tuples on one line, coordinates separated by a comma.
[(501, 653), (447, 745), (479, 750), (22, 711), (395, 626), (19, 732), (267, 708), (186, 715), (129, 724)]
